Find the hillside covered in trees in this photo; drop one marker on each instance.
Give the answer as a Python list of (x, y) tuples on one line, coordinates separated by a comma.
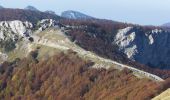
[(67, 77), (98, 36)]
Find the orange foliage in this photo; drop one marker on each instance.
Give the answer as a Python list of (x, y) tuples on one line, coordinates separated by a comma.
[(68, 77)]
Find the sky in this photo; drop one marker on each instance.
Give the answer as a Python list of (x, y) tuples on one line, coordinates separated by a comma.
[(144, 12)]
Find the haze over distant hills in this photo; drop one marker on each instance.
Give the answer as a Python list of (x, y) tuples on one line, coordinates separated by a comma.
[(166, 24)]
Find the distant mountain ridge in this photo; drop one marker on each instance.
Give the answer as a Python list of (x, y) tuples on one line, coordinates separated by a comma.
[(31, 8), (1, 7), (70, 14), (8, 14), (166, 24)]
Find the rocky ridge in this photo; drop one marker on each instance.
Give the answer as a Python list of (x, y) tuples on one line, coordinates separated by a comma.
[(151, 48), (19, 29)]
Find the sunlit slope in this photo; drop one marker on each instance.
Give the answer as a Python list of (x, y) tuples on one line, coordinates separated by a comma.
[(56, 38)]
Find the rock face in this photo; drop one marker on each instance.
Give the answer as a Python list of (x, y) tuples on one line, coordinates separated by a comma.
[(75, 15), (16, 37), (46, 23), (14, 29), (151, 48)]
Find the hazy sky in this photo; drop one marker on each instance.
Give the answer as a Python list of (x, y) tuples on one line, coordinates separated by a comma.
[(150, 12)]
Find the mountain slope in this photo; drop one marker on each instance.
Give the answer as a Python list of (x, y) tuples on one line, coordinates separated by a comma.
[(99, 37), (55, 77), (33, 71), (16, 37), (55, 39), (60, 41), (75, 15), (19, 30)]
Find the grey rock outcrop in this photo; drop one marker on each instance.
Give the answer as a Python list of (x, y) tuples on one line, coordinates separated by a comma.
[(151, 48)]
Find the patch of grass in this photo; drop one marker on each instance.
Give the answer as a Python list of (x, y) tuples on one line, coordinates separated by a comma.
[(44, 51)]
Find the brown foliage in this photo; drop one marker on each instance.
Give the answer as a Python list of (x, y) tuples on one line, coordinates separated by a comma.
[(68, 77)]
